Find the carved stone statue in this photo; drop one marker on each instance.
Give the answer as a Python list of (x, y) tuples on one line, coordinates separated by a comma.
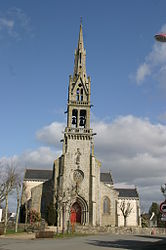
[(78, 154)]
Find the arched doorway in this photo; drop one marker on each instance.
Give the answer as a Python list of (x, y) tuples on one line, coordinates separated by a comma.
[(75, 213)]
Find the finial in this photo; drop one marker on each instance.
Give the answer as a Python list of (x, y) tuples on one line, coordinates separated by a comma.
[(81, 20)]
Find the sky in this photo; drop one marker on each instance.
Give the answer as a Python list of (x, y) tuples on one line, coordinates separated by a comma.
[(127, 69)]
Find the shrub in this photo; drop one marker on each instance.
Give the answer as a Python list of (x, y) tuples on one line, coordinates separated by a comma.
[(51, 215), (1, 231), (33, 216)]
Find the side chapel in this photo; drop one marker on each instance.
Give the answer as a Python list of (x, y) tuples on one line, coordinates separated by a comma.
[(76, 185)]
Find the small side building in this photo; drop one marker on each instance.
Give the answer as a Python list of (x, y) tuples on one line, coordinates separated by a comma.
[(36, 191), (128, 196)]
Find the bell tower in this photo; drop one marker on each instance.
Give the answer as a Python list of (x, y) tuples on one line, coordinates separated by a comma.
[(79, 91), (78, 107), (76, 174)]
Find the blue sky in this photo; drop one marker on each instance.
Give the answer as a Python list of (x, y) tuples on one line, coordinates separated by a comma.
[(126, 65), (35, 67)]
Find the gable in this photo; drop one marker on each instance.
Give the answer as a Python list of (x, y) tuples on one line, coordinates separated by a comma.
[(76, 85)]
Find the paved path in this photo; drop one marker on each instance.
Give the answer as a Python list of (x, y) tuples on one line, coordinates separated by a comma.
[(100, 242)]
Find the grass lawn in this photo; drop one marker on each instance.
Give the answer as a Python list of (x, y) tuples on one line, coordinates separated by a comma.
[(11, 231), (69, 235)]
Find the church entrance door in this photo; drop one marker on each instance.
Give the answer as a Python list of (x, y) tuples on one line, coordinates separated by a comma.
[(75, 213)]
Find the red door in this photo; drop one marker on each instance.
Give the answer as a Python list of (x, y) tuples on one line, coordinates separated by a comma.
[(75, 213), (73, 216)]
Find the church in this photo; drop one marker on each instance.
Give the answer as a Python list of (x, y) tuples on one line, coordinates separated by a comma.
[(77, 186)]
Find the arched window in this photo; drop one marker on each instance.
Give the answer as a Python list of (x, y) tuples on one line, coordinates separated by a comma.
[(106, 205), (82, 118), (81, 94), (80, 58), (78, 95), (74, 118)]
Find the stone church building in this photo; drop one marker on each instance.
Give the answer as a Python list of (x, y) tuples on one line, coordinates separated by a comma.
[(77, 186)]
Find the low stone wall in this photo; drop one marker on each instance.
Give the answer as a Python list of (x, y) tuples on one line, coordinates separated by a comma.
[(24, 227), (51, 229), (120, 230), (11, 225), (96, 230)]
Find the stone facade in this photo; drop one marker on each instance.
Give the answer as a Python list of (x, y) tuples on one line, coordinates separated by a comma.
[(80, 192), (108, 218), (134, 217)]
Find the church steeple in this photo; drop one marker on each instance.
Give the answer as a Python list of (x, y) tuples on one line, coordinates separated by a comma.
[(80, 57), (78, 108)]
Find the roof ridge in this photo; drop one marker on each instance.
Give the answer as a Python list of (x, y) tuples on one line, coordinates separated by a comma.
[(39, 169), (126, 188)]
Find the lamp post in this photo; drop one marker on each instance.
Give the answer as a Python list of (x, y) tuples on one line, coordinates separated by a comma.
[(163, 190), (163, 205), (161, 37)]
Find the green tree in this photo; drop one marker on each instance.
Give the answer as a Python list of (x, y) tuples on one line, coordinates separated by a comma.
[(51, 216), (155, 208), (145, 220)]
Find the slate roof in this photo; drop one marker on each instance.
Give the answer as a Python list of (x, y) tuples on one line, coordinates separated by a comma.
[(106, 178), (127, 192), (37, 174)]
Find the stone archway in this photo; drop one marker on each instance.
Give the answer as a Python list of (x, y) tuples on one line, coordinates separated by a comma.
[(79, 211)]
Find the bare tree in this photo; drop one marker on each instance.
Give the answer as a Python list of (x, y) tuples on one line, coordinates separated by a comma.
[(10, 181), (64, 201), (2, 183), (126, 209), (18, 191), (2, 192), (25, 199)]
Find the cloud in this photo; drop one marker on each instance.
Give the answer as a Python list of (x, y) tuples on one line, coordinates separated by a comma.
[(129, 145), (14, 23), (154, 64), (162, 117), (133, 148), (40, 158), (142, 72), (4, 23), (51, 134)]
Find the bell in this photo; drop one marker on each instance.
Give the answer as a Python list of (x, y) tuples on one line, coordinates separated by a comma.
[(73, 120), (82, 121)]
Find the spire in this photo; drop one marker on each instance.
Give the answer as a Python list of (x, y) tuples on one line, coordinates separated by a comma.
[(80, 57), (80, 40)]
